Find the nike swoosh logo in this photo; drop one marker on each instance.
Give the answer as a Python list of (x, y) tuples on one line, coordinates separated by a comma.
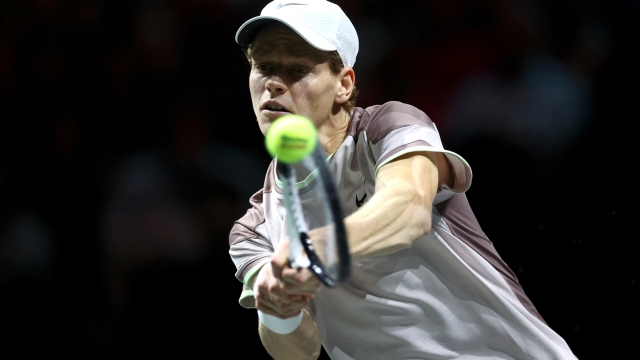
[(359, 202), (281, 5)]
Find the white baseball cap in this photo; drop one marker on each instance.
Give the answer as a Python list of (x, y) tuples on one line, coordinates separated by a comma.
[(321, 23)]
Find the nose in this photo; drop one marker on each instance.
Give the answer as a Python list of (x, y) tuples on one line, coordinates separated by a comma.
[(275, 85)]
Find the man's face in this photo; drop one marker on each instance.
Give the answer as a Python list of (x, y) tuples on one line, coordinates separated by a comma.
[(290, 76)]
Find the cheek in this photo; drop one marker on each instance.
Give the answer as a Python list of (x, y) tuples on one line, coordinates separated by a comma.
[(324, 95), (255, 84)]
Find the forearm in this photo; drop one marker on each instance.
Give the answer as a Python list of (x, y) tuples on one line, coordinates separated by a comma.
[(391, 221), (303, 343), (400, 210)]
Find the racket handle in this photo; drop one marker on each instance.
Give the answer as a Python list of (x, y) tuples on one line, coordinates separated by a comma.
[(280, 326)]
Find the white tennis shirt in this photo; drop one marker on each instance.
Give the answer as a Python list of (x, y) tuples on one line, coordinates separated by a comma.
[(449, 296)]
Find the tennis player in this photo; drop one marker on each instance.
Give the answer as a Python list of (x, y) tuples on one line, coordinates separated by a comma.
[(426, 282)]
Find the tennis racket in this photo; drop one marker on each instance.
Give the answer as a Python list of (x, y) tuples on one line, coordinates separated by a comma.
[(313, 206)]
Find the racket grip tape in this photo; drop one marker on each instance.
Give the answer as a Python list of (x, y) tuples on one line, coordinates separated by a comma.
[(280, 326)]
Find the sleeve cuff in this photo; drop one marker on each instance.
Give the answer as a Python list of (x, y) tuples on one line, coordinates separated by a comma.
[(246, 297)]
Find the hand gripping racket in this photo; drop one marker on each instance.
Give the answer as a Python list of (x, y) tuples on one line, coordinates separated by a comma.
[(312, 204)]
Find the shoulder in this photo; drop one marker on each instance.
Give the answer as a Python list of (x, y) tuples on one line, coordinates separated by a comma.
[(379, 120), (255, 214)]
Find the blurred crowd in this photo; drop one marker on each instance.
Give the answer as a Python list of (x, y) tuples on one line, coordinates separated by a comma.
[(128, 147)]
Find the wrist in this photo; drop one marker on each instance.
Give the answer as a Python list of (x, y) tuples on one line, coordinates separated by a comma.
[(274, 323), (280, 326)]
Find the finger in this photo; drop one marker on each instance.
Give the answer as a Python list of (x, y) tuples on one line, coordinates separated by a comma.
[(298, 276), (303, 283), (273, 309), (286, 298), (306, 292), (299, 282), (273, 293), (305, 289), (292, 309), (280, 258)]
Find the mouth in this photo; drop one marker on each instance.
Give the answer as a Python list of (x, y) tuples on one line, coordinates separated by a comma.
[(274, 108)]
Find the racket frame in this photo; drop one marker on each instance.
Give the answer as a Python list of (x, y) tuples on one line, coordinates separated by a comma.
[(299, 226)]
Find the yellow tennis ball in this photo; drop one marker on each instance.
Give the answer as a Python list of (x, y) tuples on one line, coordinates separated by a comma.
[(290, 138)]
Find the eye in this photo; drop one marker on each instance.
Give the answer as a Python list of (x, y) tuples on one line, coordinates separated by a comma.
[(262, 67), (300, 71)]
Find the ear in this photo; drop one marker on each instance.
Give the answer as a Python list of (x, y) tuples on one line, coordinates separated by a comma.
[(347, 79)]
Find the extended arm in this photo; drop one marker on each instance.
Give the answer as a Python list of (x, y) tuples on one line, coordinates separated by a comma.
[(400, 211), (397, 215)]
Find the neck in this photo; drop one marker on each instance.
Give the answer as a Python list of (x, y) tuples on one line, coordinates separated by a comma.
[(334, 131)]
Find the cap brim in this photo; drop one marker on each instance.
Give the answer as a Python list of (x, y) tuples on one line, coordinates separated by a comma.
[(247, 32)]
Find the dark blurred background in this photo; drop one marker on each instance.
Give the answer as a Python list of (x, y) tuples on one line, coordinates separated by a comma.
[(128, 147)]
